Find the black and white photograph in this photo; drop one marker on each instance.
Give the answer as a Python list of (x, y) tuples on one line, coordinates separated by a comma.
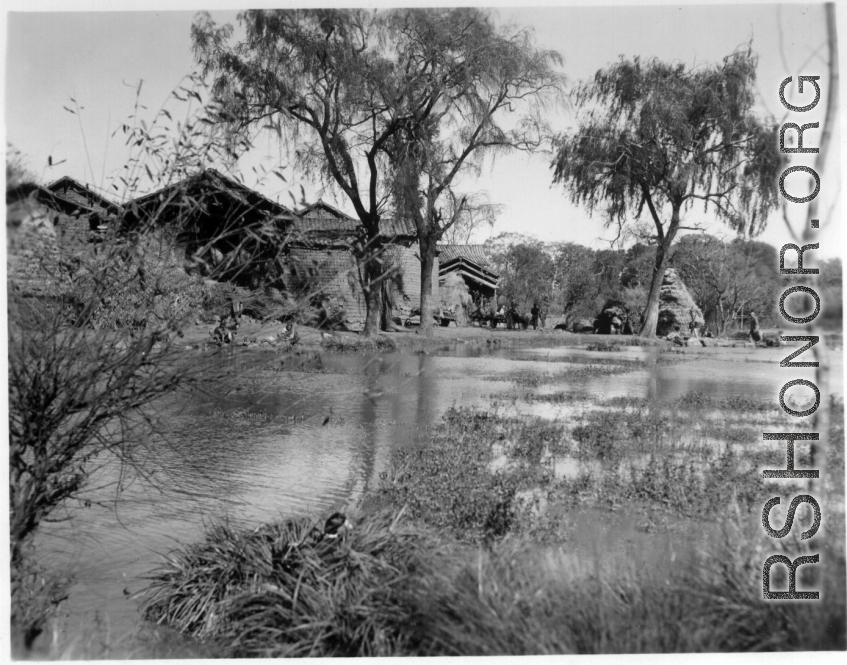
[(432, 329)]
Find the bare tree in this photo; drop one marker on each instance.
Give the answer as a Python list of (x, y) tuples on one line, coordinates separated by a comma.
[(90, 351), (476, 213), (727, 278)]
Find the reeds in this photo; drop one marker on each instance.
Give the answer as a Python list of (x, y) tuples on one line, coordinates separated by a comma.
[(497, 581), (359, 345), (282, 591), (391, 591)]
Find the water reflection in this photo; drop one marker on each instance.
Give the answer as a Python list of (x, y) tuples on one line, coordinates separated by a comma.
[(314, 439)]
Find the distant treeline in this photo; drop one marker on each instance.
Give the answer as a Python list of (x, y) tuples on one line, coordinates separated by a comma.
[(727, 279)]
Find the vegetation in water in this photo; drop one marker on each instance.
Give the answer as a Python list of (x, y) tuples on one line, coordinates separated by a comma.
[(467, 548)]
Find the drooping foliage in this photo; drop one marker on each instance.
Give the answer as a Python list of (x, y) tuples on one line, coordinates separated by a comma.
[(492, 85), (667, 137), (377, 104), (325, 82)]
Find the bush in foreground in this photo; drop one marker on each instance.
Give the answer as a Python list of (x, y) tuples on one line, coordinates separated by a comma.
[(273, 592), (391, 590)]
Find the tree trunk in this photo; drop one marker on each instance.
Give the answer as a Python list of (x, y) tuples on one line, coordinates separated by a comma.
[(428, 250), (372, 289), (651, 312)]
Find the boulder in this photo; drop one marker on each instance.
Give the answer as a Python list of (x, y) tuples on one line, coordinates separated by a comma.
[(583, 326), (610, 320), (676, 306)]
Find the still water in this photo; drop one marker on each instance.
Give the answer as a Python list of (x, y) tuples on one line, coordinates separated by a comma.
[(311, 439)]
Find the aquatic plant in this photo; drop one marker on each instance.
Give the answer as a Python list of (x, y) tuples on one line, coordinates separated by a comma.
[(396, 590), (603, 346), (380, 344), (271, 592)]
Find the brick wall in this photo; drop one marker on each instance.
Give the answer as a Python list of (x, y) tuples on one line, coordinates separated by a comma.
[(31, 249), (333, 273), (330, 273), (75, 232), (410, 279)]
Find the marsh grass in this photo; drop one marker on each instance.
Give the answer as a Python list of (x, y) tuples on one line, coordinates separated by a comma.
[(451, 484), (604, 346), (535, 379), (275, 591), (396, 591), (449, 557), (559, 397), (380, 344), (696, 400)]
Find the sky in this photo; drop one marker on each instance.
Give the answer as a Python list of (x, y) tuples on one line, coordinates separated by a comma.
[(97, 59)]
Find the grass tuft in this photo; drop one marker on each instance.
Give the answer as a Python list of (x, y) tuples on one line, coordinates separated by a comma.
[(260, 594), (359, 345)]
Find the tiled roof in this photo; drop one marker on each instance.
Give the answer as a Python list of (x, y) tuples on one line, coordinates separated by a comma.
[(321, 206), (398, 227), (217, 182), (87, 191), (475, 253), (49, 198), (322, 219)]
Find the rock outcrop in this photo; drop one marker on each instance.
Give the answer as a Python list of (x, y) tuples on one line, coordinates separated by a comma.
[(676, 306), (583, 326)]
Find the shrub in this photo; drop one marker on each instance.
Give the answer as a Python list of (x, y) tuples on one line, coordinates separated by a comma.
[(147, 286)]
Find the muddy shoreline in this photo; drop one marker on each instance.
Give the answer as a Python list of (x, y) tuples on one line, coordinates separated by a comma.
[(257, 336)]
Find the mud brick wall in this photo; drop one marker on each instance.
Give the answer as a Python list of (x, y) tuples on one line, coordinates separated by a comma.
[(409, 296), (75, 232), (334, 273), (32, 253)]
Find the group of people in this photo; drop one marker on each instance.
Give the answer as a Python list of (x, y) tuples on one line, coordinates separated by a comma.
[(508, 314), (226, 330)]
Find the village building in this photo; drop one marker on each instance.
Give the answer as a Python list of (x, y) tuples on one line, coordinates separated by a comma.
[(224, 229), (52, 227), (220, 226), (81, 215), (322, 263), (472, 264)]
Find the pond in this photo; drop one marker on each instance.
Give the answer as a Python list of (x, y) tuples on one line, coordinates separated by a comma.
[(310, 437)]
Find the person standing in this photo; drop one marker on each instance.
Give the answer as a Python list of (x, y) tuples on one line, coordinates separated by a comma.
[(534, 314), (755, 333), (692, 324), (236, 307)]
